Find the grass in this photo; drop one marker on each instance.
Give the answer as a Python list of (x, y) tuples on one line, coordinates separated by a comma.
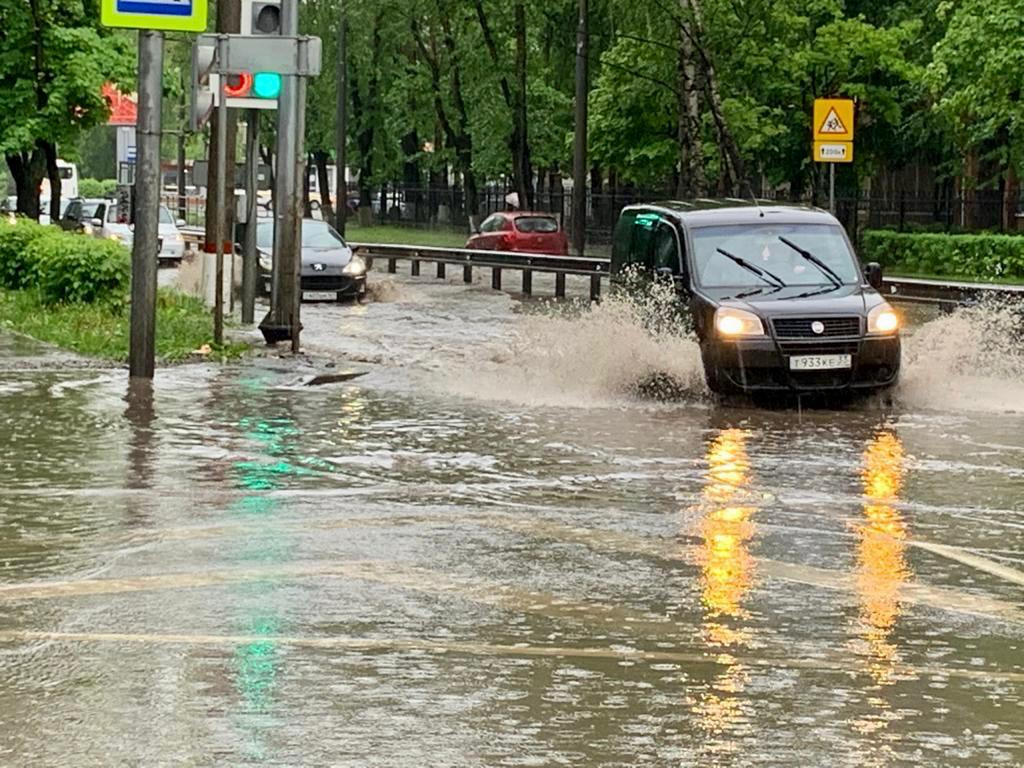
[(437, 238), (96, 330)]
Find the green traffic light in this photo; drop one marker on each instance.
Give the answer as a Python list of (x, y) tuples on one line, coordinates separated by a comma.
[(266, 85)]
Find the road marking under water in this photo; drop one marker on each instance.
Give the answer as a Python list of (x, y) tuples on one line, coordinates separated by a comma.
[(412, 645)]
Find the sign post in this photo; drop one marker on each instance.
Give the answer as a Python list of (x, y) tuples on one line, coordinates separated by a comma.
[(833, 137), (151, 18)]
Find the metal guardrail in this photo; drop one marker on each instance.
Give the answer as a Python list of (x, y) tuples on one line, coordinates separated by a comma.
[(496, 261), (901, 289)]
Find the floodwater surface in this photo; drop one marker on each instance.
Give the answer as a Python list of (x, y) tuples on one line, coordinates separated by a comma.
[(493, 551)]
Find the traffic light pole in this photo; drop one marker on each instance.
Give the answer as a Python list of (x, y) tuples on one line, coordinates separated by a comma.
[(283, 321), (220, 213), (250, 258), (142, 348)]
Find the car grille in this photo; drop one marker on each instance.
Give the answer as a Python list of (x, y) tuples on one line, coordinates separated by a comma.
[(800, 327)]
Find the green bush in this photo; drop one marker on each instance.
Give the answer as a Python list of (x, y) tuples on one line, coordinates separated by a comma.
[(79, 269), (17, 269), (97, 187), (974, 257)]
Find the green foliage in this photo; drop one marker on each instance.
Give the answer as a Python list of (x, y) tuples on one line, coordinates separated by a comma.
[(61, 267), (183, 325), (97, 188), (17, 268), (77, 269), (973, 257)]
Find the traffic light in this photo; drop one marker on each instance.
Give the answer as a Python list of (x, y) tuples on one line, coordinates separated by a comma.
[(254, 90), (261, 17), (203, 85)]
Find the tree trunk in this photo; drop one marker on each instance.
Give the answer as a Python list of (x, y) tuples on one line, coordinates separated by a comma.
[(307, 204), (53, 173), (734, 174), (518, 145), (520, 135), (412, 182), (1011, 193), (320, 158), (692, 181), (28, 170)]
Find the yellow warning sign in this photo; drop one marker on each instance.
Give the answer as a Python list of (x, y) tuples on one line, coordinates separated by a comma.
[(833, 120)]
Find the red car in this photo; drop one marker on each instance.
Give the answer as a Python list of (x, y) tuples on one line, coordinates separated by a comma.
[(519, 231)]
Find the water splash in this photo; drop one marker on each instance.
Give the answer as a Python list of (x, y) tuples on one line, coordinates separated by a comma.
[(632, 346), (972, 359)]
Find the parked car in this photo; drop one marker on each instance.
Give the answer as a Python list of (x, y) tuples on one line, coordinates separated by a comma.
[(776, 295), (328, 264), (519, 231), (108, 224), (81, 215)]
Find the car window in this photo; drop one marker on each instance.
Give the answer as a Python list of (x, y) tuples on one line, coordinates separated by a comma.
[(320, 234), (112, 214), (762, 246), (73, 211), (665, 249), (536, 224), (492, 224), (165, 215)]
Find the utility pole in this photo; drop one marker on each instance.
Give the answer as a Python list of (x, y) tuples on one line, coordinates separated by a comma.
[(182, 122), (341, 139), (249, 255), (283, 321), (579, 168), (221, 216), (142, 351)]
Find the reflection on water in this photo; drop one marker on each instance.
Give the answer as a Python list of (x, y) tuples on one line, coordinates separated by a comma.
[(881, 551), (882, 571), (727, 573)]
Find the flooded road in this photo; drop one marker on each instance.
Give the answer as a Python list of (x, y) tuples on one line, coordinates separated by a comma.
[(490, 551)]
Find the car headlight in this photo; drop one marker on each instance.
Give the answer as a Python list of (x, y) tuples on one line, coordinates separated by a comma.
[(355, 268), (732, 323), (115, 237), (87, 229), (883, 320)]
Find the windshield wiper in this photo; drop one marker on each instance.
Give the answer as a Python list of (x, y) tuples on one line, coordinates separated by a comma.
[(825, 268), (757, 292), (764, 274), (826, 289)]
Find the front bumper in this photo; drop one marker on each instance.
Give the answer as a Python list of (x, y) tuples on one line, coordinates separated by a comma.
[(762, 365), (318, 282)]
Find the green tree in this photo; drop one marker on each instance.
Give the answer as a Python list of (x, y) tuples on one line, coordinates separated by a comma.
[(54, 60)]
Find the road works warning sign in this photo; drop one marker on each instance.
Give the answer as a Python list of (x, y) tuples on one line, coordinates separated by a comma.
[(833, 120)]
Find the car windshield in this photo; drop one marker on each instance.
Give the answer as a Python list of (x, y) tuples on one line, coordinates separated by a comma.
[(536, 224), (89, 211), (764, 246), (165, 215), (315, 234)]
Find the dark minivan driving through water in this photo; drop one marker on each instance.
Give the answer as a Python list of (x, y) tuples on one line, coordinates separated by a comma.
[(778, 300)]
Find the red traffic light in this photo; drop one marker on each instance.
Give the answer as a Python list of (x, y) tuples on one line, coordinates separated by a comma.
[(238, 86)]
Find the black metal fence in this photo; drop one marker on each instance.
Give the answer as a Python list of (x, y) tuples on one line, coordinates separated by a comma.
[(446, 209)]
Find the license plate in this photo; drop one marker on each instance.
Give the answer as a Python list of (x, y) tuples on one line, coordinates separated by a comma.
[(319, 295), (820, 362)]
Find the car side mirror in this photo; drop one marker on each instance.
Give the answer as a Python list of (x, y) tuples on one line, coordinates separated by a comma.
[(96, 223), (873, 274), (179, 222)]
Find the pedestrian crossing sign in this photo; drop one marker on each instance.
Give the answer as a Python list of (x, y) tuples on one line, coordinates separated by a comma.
[(164, 15), (833, 120)]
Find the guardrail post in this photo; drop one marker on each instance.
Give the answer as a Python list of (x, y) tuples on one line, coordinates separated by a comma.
[(467, 274), (527, 282), (595, 287), (415, 266), (441, 270), (560, 285), (392, 266), (496, 279)]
